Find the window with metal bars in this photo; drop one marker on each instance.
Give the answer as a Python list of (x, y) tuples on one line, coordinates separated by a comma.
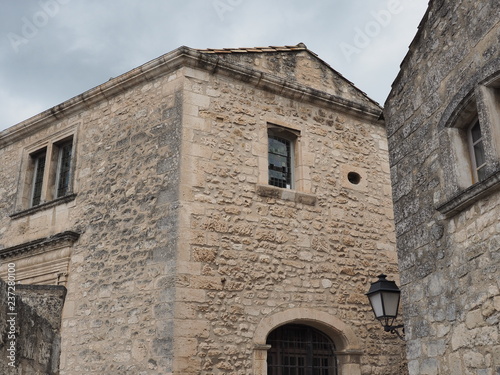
[(39, 171), (300, 350), (49, 173), (64, 169), (280, 162)]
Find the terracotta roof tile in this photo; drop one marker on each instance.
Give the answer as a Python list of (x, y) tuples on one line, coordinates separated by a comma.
[(298, 47)]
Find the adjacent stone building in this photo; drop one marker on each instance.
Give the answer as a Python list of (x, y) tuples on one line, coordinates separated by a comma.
[(443, 124), (30, 322), (209, 212)]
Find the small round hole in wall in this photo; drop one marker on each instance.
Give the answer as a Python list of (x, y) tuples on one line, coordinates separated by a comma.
[(354, 178)]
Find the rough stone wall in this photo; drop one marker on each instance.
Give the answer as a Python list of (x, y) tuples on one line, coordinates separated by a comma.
[(117, 316), (301, 67), (249, 251), (449, 261), (184, 250), (31, 343), (46, 300)]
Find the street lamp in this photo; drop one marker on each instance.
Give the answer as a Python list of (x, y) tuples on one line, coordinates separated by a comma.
[(384, 298)]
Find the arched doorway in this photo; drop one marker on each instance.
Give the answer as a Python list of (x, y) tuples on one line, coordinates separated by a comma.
[(298, 349), (347, 345)]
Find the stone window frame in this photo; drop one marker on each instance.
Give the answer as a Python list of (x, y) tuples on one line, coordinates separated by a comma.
[(301, 190), (347, 344), (462, 186), (51, 146)]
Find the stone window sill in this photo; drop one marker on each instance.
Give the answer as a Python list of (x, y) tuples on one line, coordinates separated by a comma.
[(470, 195), (286, 194), (43, 206)]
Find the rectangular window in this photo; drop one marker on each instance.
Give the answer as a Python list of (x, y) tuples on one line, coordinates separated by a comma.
[(280, 162), (476, 147), (38, 173), (474, 136), (64, 169), (49, 172)]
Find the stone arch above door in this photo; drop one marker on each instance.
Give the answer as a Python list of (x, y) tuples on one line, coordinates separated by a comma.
[(347, 343)]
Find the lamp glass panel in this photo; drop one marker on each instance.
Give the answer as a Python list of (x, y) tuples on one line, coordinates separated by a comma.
[(391, 302), (376, 301)]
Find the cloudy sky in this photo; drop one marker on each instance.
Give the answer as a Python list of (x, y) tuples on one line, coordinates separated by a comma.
[(52, 50)]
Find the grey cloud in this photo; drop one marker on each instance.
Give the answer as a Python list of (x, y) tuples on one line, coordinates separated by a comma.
[(82, 43)]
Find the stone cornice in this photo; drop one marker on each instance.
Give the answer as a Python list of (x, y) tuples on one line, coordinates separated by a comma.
[(61, 239), (184, 56)]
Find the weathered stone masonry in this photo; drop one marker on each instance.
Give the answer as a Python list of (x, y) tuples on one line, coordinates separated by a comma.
[(121, 276), (187, 259), (253, 253), (447, 224)]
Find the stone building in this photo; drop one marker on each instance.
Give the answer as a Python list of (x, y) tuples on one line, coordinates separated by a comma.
[(443, 123), (203, 210)]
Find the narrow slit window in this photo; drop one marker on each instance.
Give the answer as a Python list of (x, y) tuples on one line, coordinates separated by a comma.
[(64, 169), (476, 145), (39, 171)]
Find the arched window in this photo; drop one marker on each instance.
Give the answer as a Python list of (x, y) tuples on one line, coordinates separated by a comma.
[(300, 350)]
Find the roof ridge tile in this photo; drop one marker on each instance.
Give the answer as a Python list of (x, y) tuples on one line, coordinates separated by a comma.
[(298, 47)]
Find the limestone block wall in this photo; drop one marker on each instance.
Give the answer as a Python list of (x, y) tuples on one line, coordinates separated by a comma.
[(447, 229), (117, 317), (249, 252), (182, 259), (118, 314)]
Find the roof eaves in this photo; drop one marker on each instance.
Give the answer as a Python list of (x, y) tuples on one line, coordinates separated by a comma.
[(182, 56)]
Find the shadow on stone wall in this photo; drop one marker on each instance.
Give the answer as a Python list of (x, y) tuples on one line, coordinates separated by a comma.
[(30, 326)]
